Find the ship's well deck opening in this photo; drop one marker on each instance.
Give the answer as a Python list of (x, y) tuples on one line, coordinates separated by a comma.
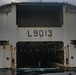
[(39, 54), (39, 15)]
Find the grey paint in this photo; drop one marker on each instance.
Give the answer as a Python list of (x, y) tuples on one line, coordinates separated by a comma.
[(9, 31)]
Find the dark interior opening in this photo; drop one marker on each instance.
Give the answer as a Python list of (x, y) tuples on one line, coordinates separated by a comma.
[(39, 54), (3, 42), (39, 15)]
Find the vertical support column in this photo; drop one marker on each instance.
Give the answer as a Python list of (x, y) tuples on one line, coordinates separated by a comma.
[(12, 57), (4, 55), (8, 57), (65, 57), (1, 57)]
